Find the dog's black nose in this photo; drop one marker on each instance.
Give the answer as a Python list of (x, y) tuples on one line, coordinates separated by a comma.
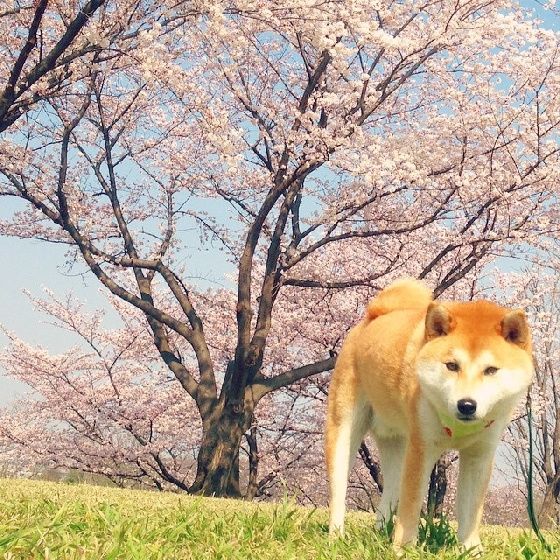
[(466, 406)]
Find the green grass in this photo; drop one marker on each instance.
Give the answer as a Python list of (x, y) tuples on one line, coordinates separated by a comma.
[(41, 520)]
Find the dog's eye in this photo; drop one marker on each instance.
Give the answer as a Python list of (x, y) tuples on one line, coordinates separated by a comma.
[(491, 370), (452, 366)]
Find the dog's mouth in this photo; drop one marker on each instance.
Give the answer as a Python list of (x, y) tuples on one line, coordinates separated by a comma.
[(467, 417)]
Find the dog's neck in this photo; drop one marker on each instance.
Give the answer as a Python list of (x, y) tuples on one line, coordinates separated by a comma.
[(456, 428)]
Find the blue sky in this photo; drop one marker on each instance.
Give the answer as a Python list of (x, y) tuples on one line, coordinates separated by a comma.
[(33, 265)]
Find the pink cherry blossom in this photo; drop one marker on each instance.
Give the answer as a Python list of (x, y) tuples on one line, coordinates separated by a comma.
[(321, 148)]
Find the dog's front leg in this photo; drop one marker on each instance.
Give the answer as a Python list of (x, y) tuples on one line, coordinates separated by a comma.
[(475, 468), (419, 461)]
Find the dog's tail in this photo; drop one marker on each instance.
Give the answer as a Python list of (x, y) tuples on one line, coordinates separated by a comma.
[(406, 293)]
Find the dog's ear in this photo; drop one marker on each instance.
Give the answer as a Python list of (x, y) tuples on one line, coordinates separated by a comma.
[(515, 328), (439, 321)]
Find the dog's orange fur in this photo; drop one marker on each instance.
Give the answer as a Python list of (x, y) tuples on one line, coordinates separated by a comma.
[(407, 365)]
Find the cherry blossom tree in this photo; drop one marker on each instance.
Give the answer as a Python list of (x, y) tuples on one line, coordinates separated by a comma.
[(106, 406), (41, 67), (538, 290), (324, 147)]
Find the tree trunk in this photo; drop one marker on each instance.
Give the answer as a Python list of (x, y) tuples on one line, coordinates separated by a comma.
[(253, 485), (218, 458), (373, 466), (549, 515), (437, 490)]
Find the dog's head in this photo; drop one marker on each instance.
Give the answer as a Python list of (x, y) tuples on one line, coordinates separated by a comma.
[(476, 361)]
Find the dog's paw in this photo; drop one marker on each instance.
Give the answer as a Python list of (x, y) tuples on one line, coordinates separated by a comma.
[(473, 547)]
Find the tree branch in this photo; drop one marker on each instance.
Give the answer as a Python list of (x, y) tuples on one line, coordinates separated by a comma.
[(263, 386), (9, 112)]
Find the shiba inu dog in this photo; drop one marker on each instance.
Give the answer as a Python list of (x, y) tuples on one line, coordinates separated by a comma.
[(424, 377)]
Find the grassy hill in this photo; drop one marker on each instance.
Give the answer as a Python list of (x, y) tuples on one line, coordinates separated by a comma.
[(41, 520)]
